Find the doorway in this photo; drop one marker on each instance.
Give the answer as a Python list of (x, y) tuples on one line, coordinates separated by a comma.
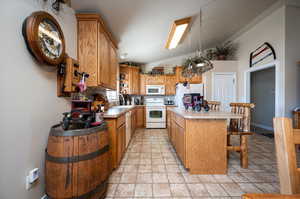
[(224, 89), (262, 94)]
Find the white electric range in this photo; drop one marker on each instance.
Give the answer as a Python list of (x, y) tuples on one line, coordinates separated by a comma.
[(155, 113)]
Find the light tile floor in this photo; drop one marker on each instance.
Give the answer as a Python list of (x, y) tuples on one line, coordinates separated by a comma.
[(151, 169)]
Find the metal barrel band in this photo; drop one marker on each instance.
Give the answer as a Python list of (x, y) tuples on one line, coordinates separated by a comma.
[(56, 131), (99, 188), (74, 159)]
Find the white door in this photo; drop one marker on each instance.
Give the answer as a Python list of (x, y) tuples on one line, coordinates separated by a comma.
[(224, 89)]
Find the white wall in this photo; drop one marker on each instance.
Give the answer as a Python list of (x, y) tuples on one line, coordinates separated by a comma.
[(29, 105), (292, 57), (281, 29), (270, 29)]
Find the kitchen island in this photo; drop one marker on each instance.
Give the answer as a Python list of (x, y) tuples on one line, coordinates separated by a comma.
[(200, 139)]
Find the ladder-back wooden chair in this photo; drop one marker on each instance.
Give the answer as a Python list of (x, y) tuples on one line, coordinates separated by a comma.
[(214, 105), (286, 139), (240, 127)]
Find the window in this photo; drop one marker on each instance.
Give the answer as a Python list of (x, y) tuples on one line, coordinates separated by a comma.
[(111, 95)]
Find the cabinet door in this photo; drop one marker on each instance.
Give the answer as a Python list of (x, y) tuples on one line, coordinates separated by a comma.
[(170, 83), (155, 80), (140, 117), (196, 79), (142, 84), (135, 83), (113, 68), (173, 133), (169, 123), (180, 143), (104, 61), (87, 49), (133, 120), (121, 138)]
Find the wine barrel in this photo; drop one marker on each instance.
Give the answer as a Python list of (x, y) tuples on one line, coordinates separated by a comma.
[(77, 163)]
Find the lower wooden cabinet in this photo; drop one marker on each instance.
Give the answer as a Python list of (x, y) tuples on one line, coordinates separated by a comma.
[(117, 138), (121, 142), (133, 120), (169, 123), (177, 136), (140, 117)]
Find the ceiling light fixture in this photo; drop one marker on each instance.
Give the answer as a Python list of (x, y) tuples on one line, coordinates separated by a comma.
[(198, 64), (177, 32), (123, 56)]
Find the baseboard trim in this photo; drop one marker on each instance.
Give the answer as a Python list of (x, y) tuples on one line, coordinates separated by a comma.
[(269, 128)]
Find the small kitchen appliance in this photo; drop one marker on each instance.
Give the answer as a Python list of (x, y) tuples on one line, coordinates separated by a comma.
[(155, 89)]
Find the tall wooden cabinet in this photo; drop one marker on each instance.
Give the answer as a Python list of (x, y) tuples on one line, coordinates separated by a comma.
[(130, 81), (143, 84), (96, 51), (170, 84)]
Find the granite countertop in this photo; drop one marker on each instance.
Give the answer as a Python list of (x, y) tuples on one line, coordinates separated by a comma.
[(116, 111), (205, 115)]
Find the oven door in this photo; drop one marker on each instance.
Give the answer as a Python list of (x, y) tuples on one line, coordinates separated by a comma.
[(155, 114)]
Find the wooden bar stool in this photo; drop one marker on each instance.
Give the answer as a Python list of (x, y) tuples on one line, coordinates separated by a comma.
[(214, 105), (240, 127), (286, 138)]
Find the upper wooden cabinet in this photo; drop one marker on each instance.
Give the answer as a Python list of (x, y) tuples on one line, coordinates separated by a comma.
[(96, 51), (170, 84), (180, 79), (143, 84), (155, 80), (130, 80)]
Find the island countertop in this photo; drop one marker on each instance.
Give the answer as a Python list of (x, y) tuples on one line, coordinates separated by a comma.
[(204, 115)]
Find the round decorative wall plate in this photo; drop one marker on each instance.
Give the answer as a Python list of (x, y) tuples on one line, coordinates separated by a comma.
[(44, 38)]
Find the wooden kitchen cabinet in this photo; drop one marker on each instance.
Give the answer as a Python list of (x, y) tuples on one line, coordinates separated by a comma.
[(133, 120), (135, 79), (96, 51), (180, 79), (143, 84), (117, 136), (113, 68), (121, 142), (180, 143), (140, 117), (155, 80), (170, 84), (169, 123), (130, 84), (176, 132)]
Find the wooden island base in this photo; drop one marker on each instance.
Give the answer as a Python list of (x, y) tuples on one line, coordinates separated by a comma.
[(206, 142), (200, 139)]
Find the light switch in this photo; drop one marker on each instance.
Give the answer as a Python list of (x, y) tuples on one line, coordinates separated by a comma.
[(32, 177)]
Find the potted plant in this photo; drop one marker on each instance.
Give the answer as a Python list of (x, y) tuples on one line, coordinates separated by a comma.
[(222, 52)]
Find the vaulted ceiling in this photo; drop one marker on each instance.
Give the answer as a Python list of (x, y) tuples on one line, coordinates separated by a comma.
[(141, 26)]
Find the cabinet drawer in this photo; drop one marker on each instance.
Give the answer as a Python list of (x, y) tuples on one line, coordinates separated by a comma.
[(120, 120), (179, 120)]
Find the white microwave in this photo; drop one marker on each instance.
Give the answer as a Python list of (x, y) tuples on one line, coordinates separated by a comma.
[(155, 89)]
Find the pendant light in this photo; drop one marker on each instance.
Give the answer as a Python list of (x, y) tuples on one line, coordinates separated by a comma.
[(198, 64)]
